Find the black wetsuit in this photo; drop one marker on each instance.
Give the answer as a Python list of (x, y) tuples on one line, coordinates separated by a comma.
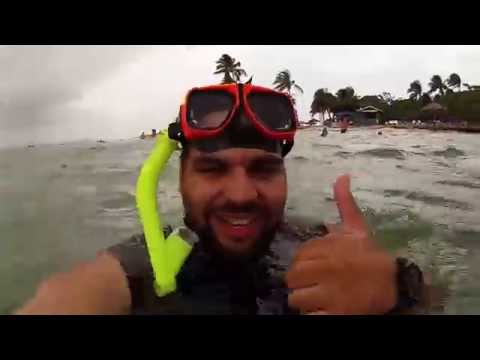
[(208, 285)]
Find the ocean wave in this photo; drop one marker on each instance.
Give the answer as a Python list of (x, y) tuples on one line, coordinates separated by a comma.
[(442, 261), (299, 157), (343, 154), (390, 193), (428, 199), (438, 200), (122, 210), (117, 170), (434, 249), (440, 163), (326, 145), (385, 153), (460, 183), (449, 152), (122, 202), (407, 168), (417, 153)]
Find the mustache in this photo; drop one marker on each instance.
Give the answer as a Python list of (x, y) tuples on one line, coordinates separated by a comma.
[(230, 207), (210, 243)]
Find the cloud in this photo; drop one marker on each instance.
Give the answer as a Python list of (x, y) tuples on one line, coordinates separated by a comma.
[(67, 92), (36, 78)]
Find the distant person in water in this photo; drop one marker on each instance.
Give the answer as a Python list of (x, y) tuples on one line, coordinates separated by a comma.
[(343, 125), (324, 132), (142, 135), (233, 185)]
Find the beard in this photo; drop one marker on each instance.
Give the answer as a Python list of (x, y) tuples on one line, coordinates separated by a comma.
[(209, 242)]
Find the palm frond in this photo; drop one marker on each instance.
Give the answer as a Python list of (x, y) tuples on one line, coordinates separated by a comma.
[(298, 88), (280, 87), (227, 79)]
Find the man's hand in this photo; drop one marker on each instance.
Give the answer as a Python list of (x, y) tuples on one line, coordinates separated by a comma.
[(96, 288), (344, 272)]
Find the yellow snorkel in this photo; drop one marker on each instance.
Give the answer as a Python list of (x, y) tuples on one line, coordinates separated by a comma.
[(166, 255)]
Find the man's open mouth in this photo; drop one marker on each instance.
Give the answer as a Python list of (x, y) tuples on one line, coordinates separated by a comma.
[(237, 219)]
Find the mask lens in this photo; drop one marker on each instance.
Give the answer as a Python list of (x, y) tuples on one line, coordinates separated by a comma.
[(274, 110), (208, 109)]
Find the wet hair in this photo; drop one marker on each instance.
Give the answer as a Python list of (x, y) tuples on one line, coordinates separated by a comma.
[(184, 152)]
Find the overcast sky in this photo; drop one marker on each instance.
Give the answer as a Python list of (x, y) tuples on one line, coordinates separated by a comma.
[(62, 93)]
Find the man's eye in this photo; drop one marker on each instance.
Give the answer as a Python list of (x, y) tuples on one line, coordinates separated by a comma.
[(209, 169), (265, 170)]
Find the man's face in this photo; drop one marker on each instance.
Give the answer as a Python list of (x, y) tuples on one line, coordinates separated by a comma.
[(236, 195)]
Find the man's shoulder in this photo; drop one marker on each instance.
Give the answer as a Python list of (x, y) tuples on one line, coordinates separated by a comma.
[(132, 253)]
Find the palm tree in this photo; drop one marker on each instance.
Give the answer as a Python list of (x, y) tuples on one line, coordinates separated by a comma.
[(345, 94), (425, 99), (283, 81), (415, 90), (436, 83), (346, 100), (387, 98), (454, 81), (230, 68), (322, 103)]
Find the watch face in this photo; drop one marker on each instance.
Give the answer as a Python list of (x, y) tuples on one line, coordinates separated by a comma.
[(410, 280), (414, 281)]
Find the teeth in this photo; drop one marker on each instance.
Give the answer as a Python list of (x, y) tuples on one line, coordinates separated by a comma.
[(238, 222)]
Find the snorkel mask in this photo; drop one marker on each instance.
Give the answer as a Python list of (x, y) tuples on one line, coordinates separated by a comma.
[(212, 118)]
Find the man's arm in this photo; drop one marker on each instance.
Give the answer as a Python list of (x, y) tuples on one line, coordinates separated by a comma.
[(99, 287)]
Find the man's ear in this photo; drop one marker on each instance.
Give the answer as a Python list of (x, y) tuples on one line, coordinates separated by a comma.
[(181, 168), (180, 174)]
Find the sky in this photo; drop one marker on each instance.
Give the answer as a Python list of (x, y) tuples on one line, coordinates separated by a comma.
[(51, 94)]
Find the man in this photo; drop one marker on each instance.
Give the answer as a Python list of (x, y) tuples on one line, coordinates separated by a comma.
[(234, 188)]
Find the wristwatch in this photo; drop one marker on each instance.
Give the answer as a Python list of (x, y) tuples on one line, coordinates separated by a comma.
[(410, 286)]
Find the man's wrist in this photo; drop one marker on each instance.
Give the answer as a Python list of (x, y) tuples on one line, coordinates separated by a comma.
[(410, 286)]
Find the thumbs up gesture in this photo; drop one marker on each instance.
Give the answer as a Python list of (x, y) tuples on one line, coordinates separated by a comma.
[(344, 272)]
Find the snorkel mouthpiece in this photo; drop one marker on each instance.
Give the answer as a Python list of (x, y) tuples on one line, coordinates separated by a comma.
[(166, 255)]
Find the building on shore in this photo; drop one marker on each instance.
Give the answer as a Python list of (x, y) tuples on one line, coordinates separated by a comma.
[(365, 116), (433, 111)]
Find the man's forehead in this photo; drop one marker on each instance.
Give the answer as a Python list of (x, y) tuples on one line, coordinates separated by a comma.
[(236, 155)]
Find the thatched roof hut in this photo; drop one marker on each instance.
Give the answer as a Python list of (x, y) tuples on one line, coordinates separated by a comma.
[(433, 107), (433, 111)]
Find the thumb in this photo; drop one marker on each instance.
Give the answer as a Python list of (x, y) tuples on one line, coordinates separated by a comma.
[(347, 207)]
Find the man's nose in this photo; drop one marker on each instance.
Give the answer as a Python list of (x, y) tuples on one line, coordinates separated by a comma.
[(240, 188)]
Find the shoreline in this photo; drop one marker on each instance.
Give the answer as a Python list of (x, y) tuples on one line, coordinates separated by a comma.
[(470, 129), (467, 129)]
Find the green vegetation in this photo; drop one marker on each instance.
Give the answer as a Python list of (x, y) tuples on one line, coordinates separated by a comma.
[(464, 105), (284, 82), (436, 85), (230, 68), (415, 90), (325, 102), (460, 100), (459, 104)]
